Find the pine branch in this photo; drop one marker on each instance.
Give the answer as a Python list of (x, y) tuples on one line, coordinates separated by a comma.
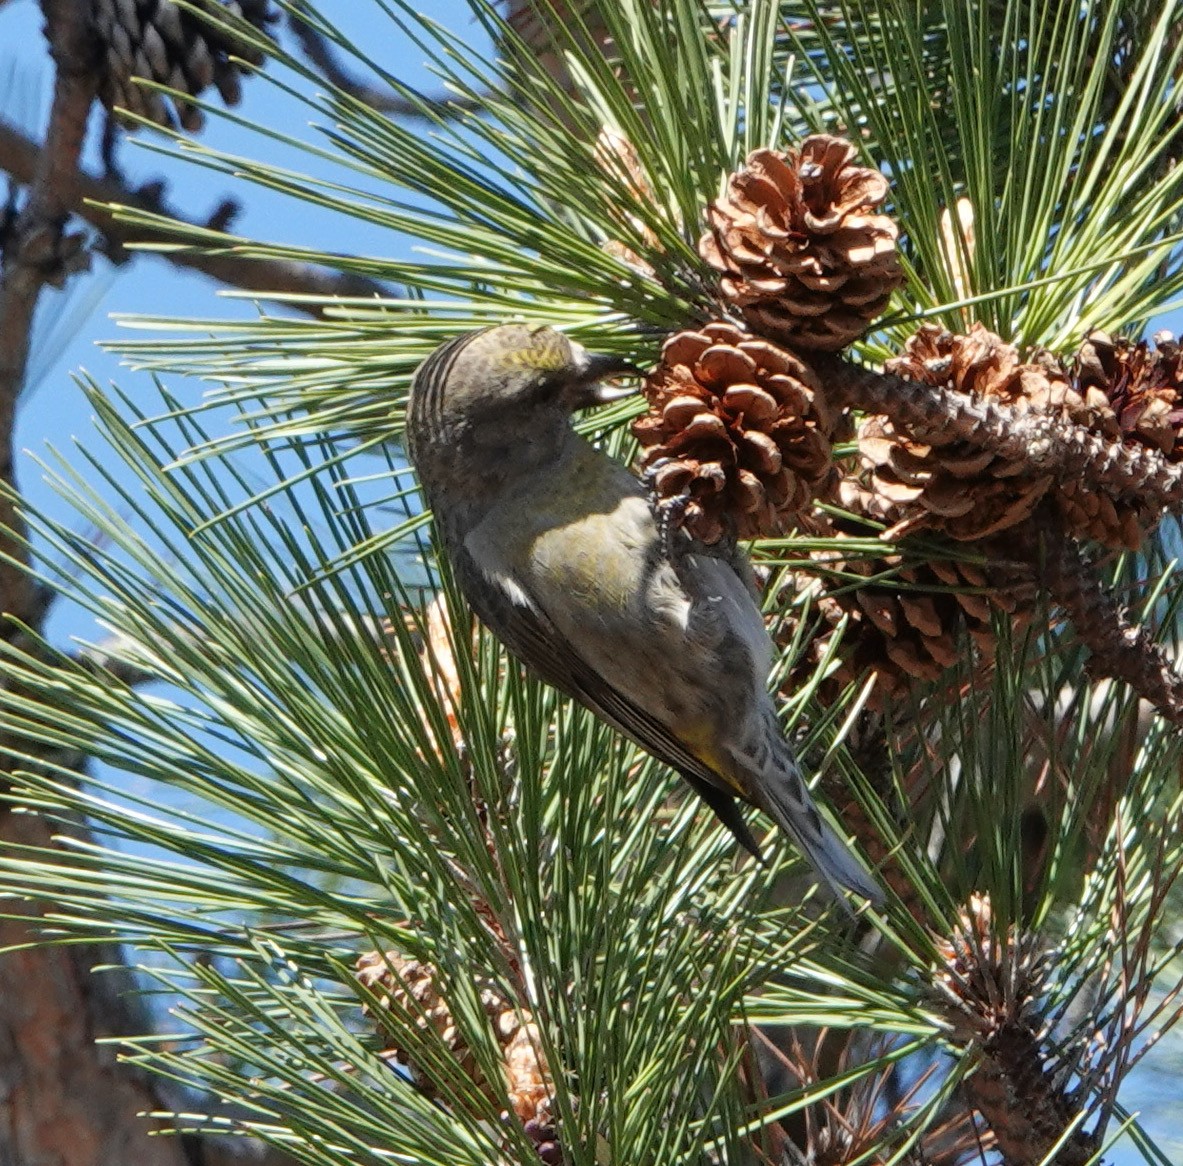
[(1044, 443), (1026, 1111), (989, 988), (38, 250), (1120, 649), (90, 197)]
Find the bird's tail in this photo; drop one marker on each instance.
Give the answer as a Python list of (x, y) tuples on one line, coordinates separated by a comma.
[(782, 790)]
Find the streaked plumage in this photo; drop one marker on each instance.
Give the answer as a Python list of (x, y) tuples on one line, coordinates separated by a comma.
[(560, 553)]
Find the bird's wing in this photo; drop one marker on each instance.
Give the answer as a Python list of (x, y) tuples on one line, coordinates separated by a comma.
[(530, 635)]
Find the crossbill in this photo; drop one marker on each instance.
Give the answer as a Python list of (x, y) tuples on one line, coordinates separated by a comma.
[(561, 553)]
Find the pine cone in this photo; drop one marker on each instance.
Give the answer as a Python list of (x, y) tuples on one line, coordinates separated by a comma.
[(741, 427), (1132, 397), (909, 629), (1124, 393), (800, 254), (1136, 389), (407, 988), (159, 41), (955, 488)]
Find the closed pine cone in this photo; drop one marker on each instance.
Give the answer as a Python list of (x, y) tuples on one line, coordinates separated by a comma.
[(160, 41), (801, 254), (408, 991), (740, 428)]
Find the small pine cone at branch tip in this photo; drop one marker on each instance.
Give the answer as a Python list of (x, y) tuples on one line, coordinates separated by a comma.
[(408, 993), (740, 429), (162, 42), (801, 255), (987, 981)]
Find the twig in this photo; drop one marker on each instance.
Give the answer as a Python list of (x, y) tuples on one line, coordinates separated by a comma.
[(38, 251), (1120, 649), (21, 157), (1027, 1113)]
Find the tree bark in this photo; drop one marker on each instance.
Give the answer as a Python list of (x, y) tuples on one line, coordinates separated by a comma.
[(65, 1100)]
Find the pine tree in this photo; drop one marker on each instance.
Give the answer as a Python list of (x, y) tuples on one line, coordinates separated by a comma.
[(891, 265)]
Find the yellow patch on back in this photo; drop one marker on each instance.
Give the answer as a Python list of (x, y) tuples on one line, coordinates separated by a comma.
[(701, 741)]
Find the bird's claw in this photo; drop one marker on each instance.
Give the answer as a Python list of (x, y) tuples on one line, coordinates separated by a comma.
[(670, 510), (671, 514), (650, 472)]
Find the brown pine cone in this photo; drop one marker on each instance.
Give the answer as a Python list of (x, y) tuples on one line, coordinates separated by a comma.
[(741, 428), (955, 488), (1125, 393), (159, 41), (407, 989), (799, 251), (1132, 396), (909, 629), (1136, 389)]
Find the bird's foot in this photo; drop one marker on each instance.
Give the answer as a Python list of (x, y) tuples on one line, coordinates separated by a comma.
[(650, 474), (671, 515), (669, 510)]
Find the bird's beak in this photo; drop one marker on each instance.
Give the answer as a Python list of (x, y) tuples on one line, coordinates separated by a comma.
[(594, 367)]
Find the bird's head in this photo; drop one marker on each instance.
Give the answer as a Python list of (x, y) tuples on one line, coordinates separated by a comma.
[(512, 377)]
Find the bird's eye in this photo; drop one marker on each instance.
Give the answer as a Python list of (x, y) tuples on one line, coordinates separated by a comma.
[(542, 389)]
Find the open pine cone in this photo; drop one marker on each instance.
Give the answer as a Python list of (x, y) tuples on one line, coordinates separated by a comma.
[(739, 426), (1125, 393), (407, 988), (908, 629), (953, 487), (1134, 389), (1132, 395), (800, 253), (159, 41)]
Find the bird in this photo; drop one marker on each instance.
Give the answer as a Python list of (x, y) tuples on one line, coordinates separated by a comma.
[(563, 554)]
